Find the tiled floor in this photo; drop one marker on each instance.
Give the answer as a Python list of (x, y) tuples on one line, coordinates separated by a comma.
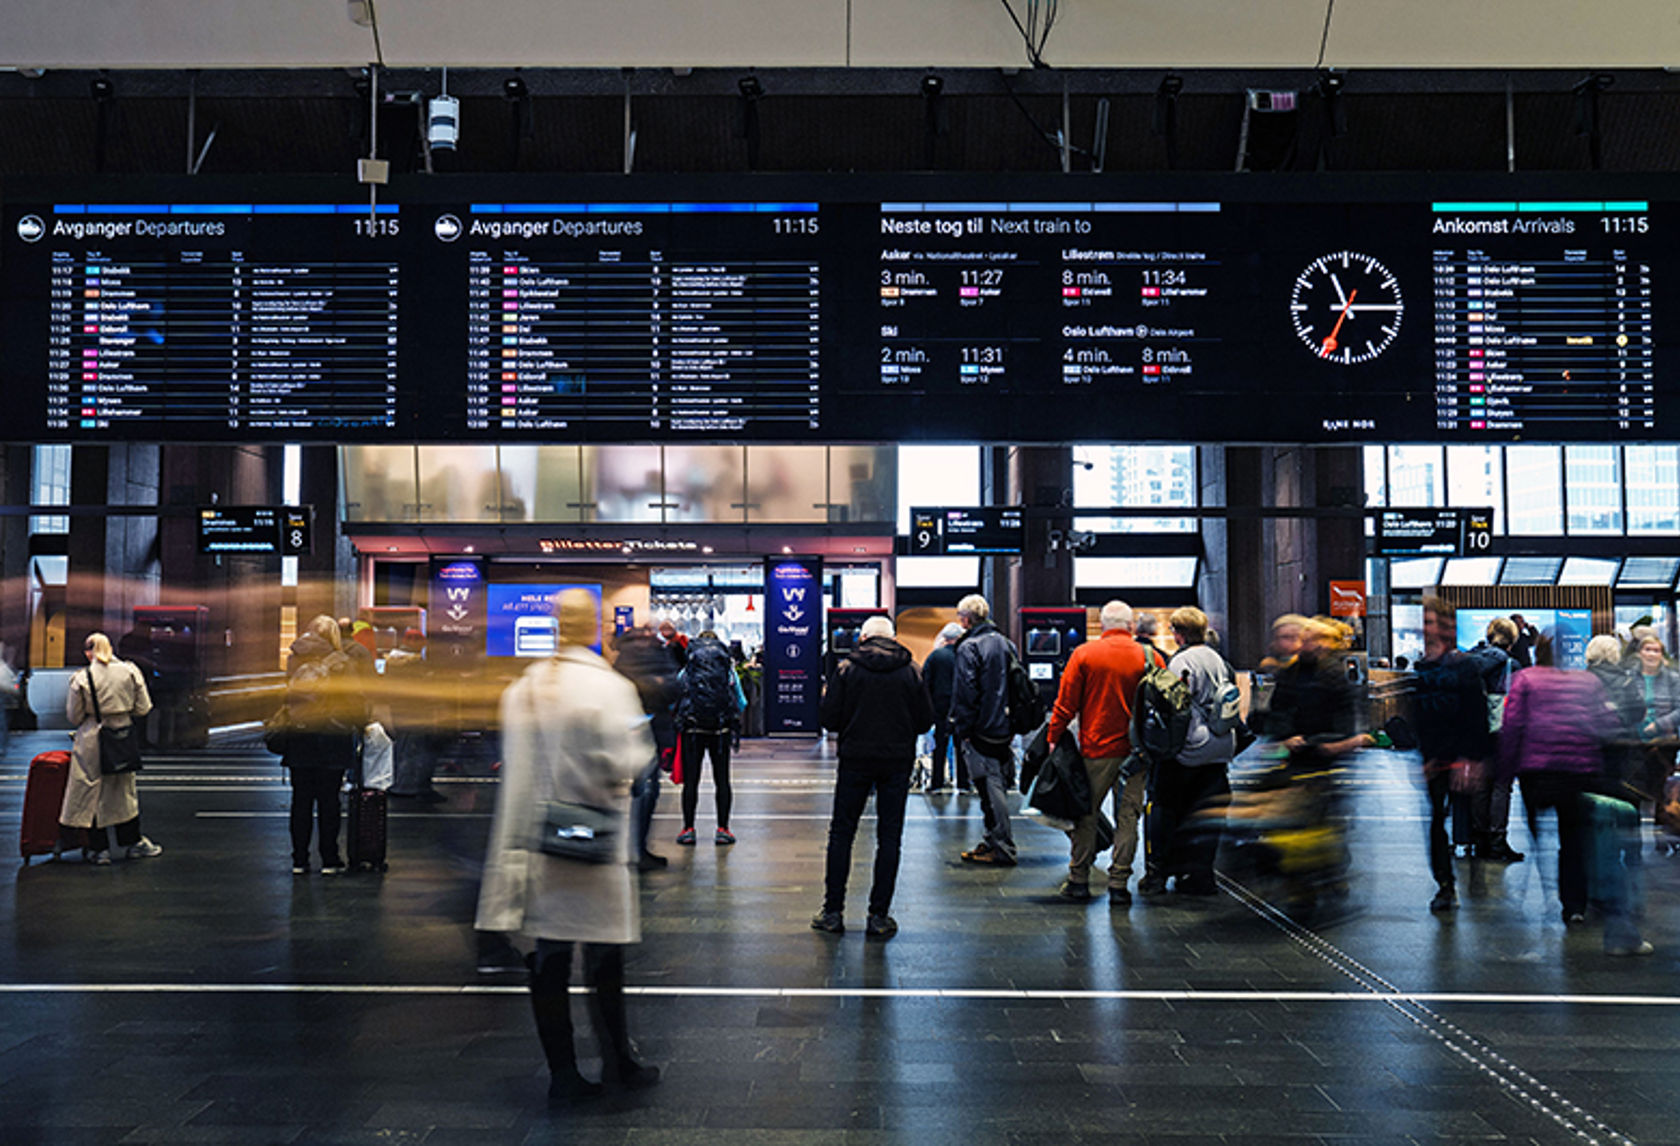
[(209, 997)]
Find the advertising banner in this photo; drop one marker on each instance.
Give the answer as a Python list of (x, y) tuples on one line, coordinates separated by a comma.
[(520, 619), (793, 625), (455, 613)]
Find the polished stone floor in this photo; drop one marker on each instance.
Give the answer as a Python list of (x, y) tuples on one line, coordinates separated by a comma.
[(208, 996)]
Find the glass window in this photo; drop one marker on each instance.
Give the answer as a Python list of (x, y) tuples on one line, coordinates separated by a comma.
[(1135, 477), (1476, 480), (862, 481), (787, 483), (1533, 490), (51, 486), (937, 573), (626, 483), (379, 483), (933, 475), (1653, 489), (1414, 572), (541, 484), (459, 483), (1648, 572), (1471, 571), (1376, 476), (1133, 572), (1531, 570), (1593, 476), (1589, 571), (1415, 476), (1406, 622), (705, 483)]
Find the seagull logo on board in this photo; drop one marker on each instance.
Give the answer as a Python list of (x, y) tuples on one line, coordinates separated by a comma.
[(447, 228), (31, 229)]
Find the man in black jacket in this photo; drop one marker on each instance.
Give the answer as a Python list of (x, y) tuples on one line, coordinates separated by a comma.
[(940, 672), (980, 718), (877, 703)]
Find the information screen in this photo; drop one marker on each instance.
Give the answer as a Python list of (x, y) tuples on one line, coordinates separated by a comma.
[(841, 309), (286, 531), (1426, 532), (977, 529)]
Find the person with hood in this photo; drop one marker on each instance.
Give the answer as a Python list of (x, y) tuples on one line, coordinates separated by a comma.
[(109, 692), (980, 718), (712, 702), (573, 731), (939, 671), (326, 709), (878, 704)]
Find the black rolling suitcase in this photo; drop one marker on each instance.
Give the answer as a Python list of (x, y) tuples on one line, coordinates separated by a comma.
[(365, 850)]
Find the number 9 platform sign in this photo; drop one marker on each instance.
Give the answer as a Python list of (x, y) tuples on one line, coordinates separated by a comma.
[(793, 625)]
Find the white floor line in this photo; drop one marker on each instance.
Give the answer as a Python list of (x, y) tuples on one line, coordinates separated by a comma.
[(982, 994)]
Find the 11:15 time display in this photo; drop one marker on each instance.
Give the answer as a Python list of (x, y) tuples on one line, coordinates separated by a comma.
[(1625, 224)]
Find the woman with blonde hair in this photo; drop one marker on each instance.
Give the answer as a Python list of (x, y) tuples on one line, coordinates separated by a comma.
[(112, 693)]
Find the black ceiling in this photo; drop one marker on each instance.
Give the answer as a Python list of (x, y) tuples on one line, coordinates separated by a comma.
[(316, 121)]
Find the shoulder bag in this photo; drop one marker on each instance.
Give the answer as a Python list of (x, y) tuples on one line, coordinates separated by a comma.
[(574, 831), (119, 748)]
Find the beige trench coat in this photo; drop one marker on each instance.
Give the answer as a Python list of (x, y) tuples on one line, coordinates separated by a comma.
[(89, 794), (572, 729)]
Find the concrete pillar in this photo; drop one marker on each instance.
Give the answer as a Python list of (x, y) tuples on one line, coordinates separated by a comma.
[(1041, 479)]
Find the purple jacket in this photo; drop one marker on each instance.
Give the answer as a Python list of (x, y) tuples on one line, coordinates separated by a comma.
[(1555, 721)]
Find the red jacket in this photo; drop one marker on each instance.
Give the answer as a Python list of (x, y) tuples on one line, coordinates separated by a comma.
[(1098, 685)]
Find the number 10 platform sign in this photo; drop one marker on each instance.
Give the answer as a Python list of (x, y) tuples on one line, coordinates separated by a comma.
[(793, 617)]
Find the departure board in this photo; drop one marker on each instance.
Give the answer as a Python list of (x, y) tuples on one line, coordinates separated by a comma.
[(211, 321), (717, 309)]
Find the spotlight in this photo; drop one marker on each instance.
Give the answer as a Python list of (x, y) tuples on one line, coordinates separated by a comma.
[(443, 122), (749, 87), (932, 85), (513, 88)]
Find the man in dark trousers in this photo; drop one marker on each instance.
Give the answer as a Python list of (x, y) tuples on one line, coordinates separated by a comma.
[(877, 703), (1449, 711), (980, 718), (940, 672)]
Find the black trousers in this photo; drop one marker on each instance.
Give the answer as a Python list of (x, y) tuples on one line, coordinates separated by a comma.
[(946, 741), (694, 746), (1441, 799), (1184, 817), (890, 781), (315, 797), (551, 1005), (1562, 791), (94, 839)]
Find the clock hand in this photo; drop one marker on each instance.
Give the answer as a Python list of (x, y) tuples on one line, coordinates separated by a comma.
[(1341, 295), (1330, 339)]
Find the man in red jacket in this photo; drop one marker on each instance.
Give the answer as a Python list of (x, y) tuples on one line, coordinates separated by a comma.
[(1098, 686)]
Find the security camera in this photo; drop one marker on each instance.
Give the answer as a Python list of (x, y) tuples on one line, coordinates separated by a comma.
[(443, 122)]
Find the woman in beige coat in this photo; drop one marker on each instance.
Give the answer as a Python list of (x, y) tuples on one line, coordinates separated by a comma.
[(572, 730), (92, 800)]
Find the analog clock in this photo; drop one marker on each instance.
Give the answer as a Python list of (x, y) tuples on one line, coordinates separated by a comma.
[(1346, 307)]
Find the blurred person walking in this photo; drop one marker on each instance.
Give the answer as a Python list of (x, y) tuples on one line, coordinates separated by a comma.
[(1450, 716), (112, 693), (573, 732), (878, 704), (1490, 801), (1655, 697), (939, 671), (648, 665), (1097, 689), (326, 709), (413, 702)]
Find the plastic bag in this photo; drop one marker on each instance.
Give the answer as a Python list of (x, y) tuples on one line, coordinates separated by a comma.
[(378, 758)]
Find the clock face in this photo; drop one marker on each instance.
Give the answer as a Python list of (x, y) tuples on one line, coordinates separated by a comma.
[(1346, 308)]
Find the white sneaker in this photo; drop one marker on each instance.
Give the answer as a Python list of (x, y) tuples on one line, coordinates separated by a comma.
[(145, 849)]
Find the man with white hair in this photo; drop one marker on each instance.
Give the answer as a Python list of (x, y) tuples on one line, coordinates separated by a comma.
[(939, 670), (1098, 687), (980, 718), (877, 703)]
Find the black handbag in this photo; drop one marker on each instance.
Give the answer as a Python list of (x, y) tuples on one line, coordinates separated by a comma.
[(119, 748), (579, 832)]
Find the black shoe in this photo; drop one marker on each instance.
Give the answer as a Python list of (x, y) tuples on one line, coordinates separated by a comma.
[(1075, 892), (1152, 885), (880, 927), (650, 862), (634, 1075), (571, 1090), (1119, 897), (1502, 852), (829, 921), (1445, 900)]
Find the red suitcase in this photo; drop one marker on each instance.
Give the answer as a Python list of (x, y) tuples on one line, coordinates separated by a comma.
[(43, 799)]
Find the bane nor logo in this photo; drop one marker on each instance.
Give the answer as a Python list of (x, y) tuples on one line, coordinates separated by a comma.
[(31, 229), (447, 228)]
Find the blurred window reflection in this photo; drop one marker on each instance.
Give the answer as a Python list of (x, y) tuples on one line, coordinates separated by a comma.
[(459, 484), (379, 483)]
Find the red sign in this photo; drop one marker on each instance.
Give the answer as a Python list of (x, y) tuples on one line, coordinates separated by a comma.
[(1347, 598)]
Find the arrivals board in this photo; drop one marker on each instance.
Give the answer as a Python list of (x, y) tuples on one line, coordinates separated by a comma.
[(841, 309)]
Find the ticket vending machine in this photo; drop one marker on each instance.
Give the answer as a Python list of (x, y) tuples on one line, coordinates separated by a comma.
[(844, 629), (1048, 637)]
